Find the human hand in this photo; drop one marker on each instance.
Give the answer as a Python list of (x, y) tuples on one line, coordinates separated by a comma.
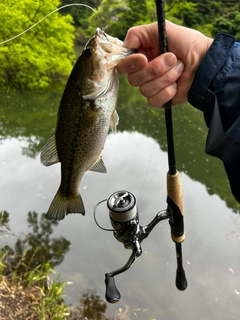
[(168, 76)]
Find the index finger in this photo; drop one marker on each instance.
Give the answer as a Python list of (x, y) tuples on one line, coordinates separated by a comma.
[(144, 36)]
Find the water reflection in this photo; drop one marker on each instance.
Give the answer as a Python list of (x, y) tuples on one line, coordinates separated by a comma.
[(136, 161), (31, 116), (28, 116), (90, 306), (4, 221), (36, 246)]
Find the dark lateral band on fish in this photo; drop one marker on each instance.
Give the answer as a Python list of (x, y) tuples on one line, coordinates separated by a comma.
[(86, 111)]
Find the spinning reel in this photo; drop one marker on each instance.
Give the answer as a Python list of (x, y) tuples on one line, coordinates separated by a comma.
[(124, 219)]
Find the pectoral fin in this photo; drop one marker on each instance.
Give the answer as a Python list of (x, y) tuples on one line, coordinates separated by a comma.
[(114, 121), (49, 153), (98, 166)]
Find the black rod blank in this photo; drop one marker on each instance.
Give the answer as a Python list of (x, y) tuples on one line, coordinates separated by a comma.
[(167, 106), (174, 199)]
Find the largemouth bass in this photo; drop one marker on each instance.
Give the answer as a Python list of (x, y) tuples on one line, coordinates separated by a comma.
[(86, 111)]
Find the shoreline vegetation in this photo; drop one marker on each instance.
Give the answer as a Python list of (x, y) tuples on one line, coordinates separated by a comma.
[(21, 300), (26, 290)]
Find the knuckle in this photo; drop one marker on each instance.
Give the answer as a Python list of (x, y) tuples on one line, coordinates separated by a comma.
[(133, 80), (169, 78), (147, 90), (155, 101), (170, 92), (156, 70), (163, 96)]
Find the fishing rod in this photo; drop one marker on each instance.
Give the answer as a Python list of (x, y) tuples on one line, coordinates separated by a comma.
[(122, 205), (174, 198)]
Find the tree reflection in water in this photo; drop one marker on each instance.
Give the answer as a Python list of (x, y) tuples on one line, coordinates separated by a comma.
[(36, 248), (90, 306)]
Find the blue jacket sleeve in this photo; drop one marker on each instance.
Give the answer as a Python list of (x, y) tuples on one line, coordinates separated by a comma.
[(216, 92)]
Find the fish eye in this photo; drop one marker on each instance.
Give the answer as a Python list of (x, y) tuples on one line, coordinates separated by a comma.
[(88, 52)]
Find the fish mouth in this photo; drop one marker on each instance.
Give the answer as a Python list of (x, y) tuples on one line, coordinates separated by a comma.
[(113, 48), (106, 40)]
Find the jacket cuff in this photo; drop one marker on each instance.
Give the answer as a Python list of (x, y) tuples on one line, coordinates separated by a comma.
[(200, 96)]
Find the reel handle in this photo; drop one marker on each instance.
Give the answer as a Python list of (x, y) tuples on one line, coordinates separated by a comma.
[(112, 294)]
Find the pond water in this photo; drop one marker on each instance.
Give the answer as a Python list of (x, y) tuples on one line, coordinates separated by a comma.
[(136, 161)]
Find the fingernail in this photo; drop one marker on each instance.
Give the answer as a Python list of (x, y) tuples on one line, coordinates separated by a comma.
[(179, 66), (169, 60)]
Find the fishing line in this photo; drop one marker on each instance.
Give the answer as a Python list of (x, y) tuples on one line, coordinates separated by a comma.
[(58, 9), (147, 171), (153, 19)]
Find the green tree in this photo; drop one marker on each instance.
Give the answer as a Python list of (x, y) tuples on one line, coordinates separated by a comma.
[(107, 14), (119, 16), (185, 11), (208, 9), (79, 13), (43, 54), (229, 23), (134, 13)]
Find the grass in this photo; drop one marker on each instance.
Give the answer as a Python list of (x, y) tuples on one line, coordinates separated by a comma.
[(27, 295)]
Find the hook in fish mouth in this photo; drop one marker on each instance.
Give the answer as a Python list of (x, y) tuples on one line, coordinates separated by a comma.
[(101, 32)]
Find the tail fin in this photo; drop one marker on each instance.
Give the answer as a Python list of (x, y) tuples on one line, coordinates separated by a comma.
[(62, 206)]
